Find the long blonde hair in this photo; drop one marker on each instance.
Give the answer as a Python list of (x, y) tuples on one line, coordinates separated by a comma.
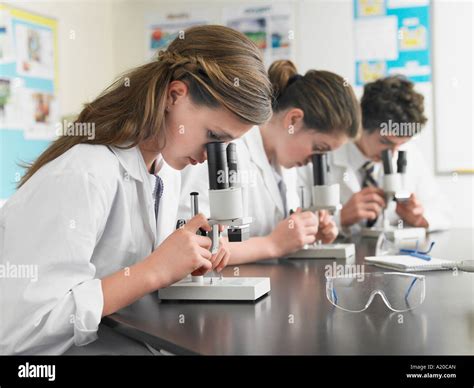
[(221, 67)]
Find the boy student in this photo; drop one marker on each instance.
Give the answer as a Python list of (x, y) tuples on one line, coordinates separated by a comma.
[(392, 115)]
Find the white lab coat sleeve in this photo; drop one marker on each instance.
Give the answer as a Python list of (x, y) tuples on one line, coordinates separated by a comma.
[(54, 224)]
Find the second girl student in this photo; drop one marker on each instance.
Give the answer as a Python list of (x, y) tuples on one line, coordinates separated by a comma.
[(314, 112)]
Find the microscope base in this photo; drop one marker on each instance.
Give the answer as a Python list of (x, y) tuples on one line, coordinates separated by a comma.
[(325, 251), (394, 233), (231, 288)]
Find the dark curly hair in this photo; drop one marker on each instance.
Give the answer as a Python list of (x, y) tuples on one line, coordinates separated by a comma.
[(392, 98)]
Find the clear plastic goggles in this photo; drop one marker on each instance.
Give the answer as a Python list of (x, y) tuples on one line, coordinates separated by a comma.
[(355, 292)]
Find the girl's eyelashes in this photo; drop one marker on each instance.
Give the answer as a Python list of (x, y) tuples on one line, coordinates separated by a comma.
[(318, 149), (211, 135)]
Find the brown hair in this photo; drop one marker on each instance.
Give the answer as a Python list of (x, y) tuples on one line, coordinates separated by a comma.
[(327, 100), (221, 67), (391, 98)]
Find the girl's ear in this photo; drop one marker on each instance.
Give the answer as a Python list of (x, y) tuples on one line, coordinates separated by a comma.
[(294, 118), (176, 91)]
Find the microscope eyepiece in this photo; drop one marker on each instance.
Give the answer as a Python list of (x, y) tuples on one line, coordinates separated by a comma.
[(320, 169), (217, 166), (402, 162), (387, 162), (232, 164)]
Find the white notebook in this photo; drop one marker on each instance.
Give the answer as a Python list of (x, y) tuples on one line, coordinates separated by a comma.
[(407, 263)]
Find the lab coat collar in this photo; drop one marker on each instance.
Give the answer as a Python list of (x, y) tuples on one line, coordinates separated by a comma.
[(132, 161), (254, 142)]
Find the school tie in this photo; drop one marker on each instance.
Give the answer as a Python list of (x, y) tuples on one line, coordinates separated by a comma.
[(368, 174), (369, 181), (157, 193)]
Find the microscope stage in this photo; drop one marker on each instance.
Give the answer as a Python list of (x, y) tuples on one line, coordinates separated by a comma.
[(394, 233), (230, 288), (325, 251)]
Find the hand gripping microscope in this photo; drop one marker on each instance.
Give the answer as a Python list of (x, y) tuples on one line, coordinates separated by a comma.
[(324, 196), (227, 204), (393, 185)]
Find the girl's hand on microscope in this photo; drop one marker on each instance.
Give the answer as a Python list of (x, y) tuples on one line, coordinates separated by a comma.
[(294, 232), (411, 212), (181, 253), (221, 258), (327, 231), (367, 204)]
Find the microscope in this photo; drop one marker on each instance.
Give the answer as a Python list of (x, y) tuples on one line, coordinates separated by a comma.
[(227, 207), (324, 196), (393, 185)]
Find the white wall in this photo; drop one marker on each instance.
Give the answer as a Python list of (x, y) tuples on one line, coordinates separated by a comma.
[(110, 38)]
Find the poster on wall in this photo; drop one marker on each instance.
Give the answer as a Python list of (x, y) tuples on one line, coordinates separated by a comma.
[(270, 27), (28, 67), (29, 111), (34, 50), (6, 38), (392, 37), (163, 29), (41, 112)]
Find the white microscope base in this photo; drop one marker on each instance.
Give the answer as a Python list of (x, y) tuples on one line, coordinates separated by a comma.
[(395, 233), (325, 251), (230, 288)]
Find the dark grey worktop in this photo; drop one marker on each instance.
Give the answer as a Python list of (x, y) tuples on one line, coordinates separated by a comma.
[(296, 317)]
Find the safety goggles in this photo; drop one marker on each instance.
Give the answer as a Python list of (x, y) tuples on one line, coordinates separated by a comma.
[(355, 292)]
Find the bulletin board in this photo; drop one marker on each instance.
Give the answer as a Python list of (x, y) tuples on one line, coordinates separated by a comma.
[(29, 110), (392, 37), (397, 37)]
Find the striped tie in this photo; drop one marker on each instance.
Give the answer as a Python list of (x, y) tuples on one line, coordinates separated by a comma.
[(157, 193), (369, 181), (368, 174)]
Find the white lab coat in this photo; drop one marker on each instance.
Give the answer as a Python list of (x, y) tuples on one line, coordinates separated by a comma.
[(81, 217), (418, 179), (265, 202)]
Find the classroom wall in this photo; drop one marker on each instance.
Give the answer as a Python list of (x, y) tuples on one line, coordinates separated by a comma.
[(112, 33), (86, 58)]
